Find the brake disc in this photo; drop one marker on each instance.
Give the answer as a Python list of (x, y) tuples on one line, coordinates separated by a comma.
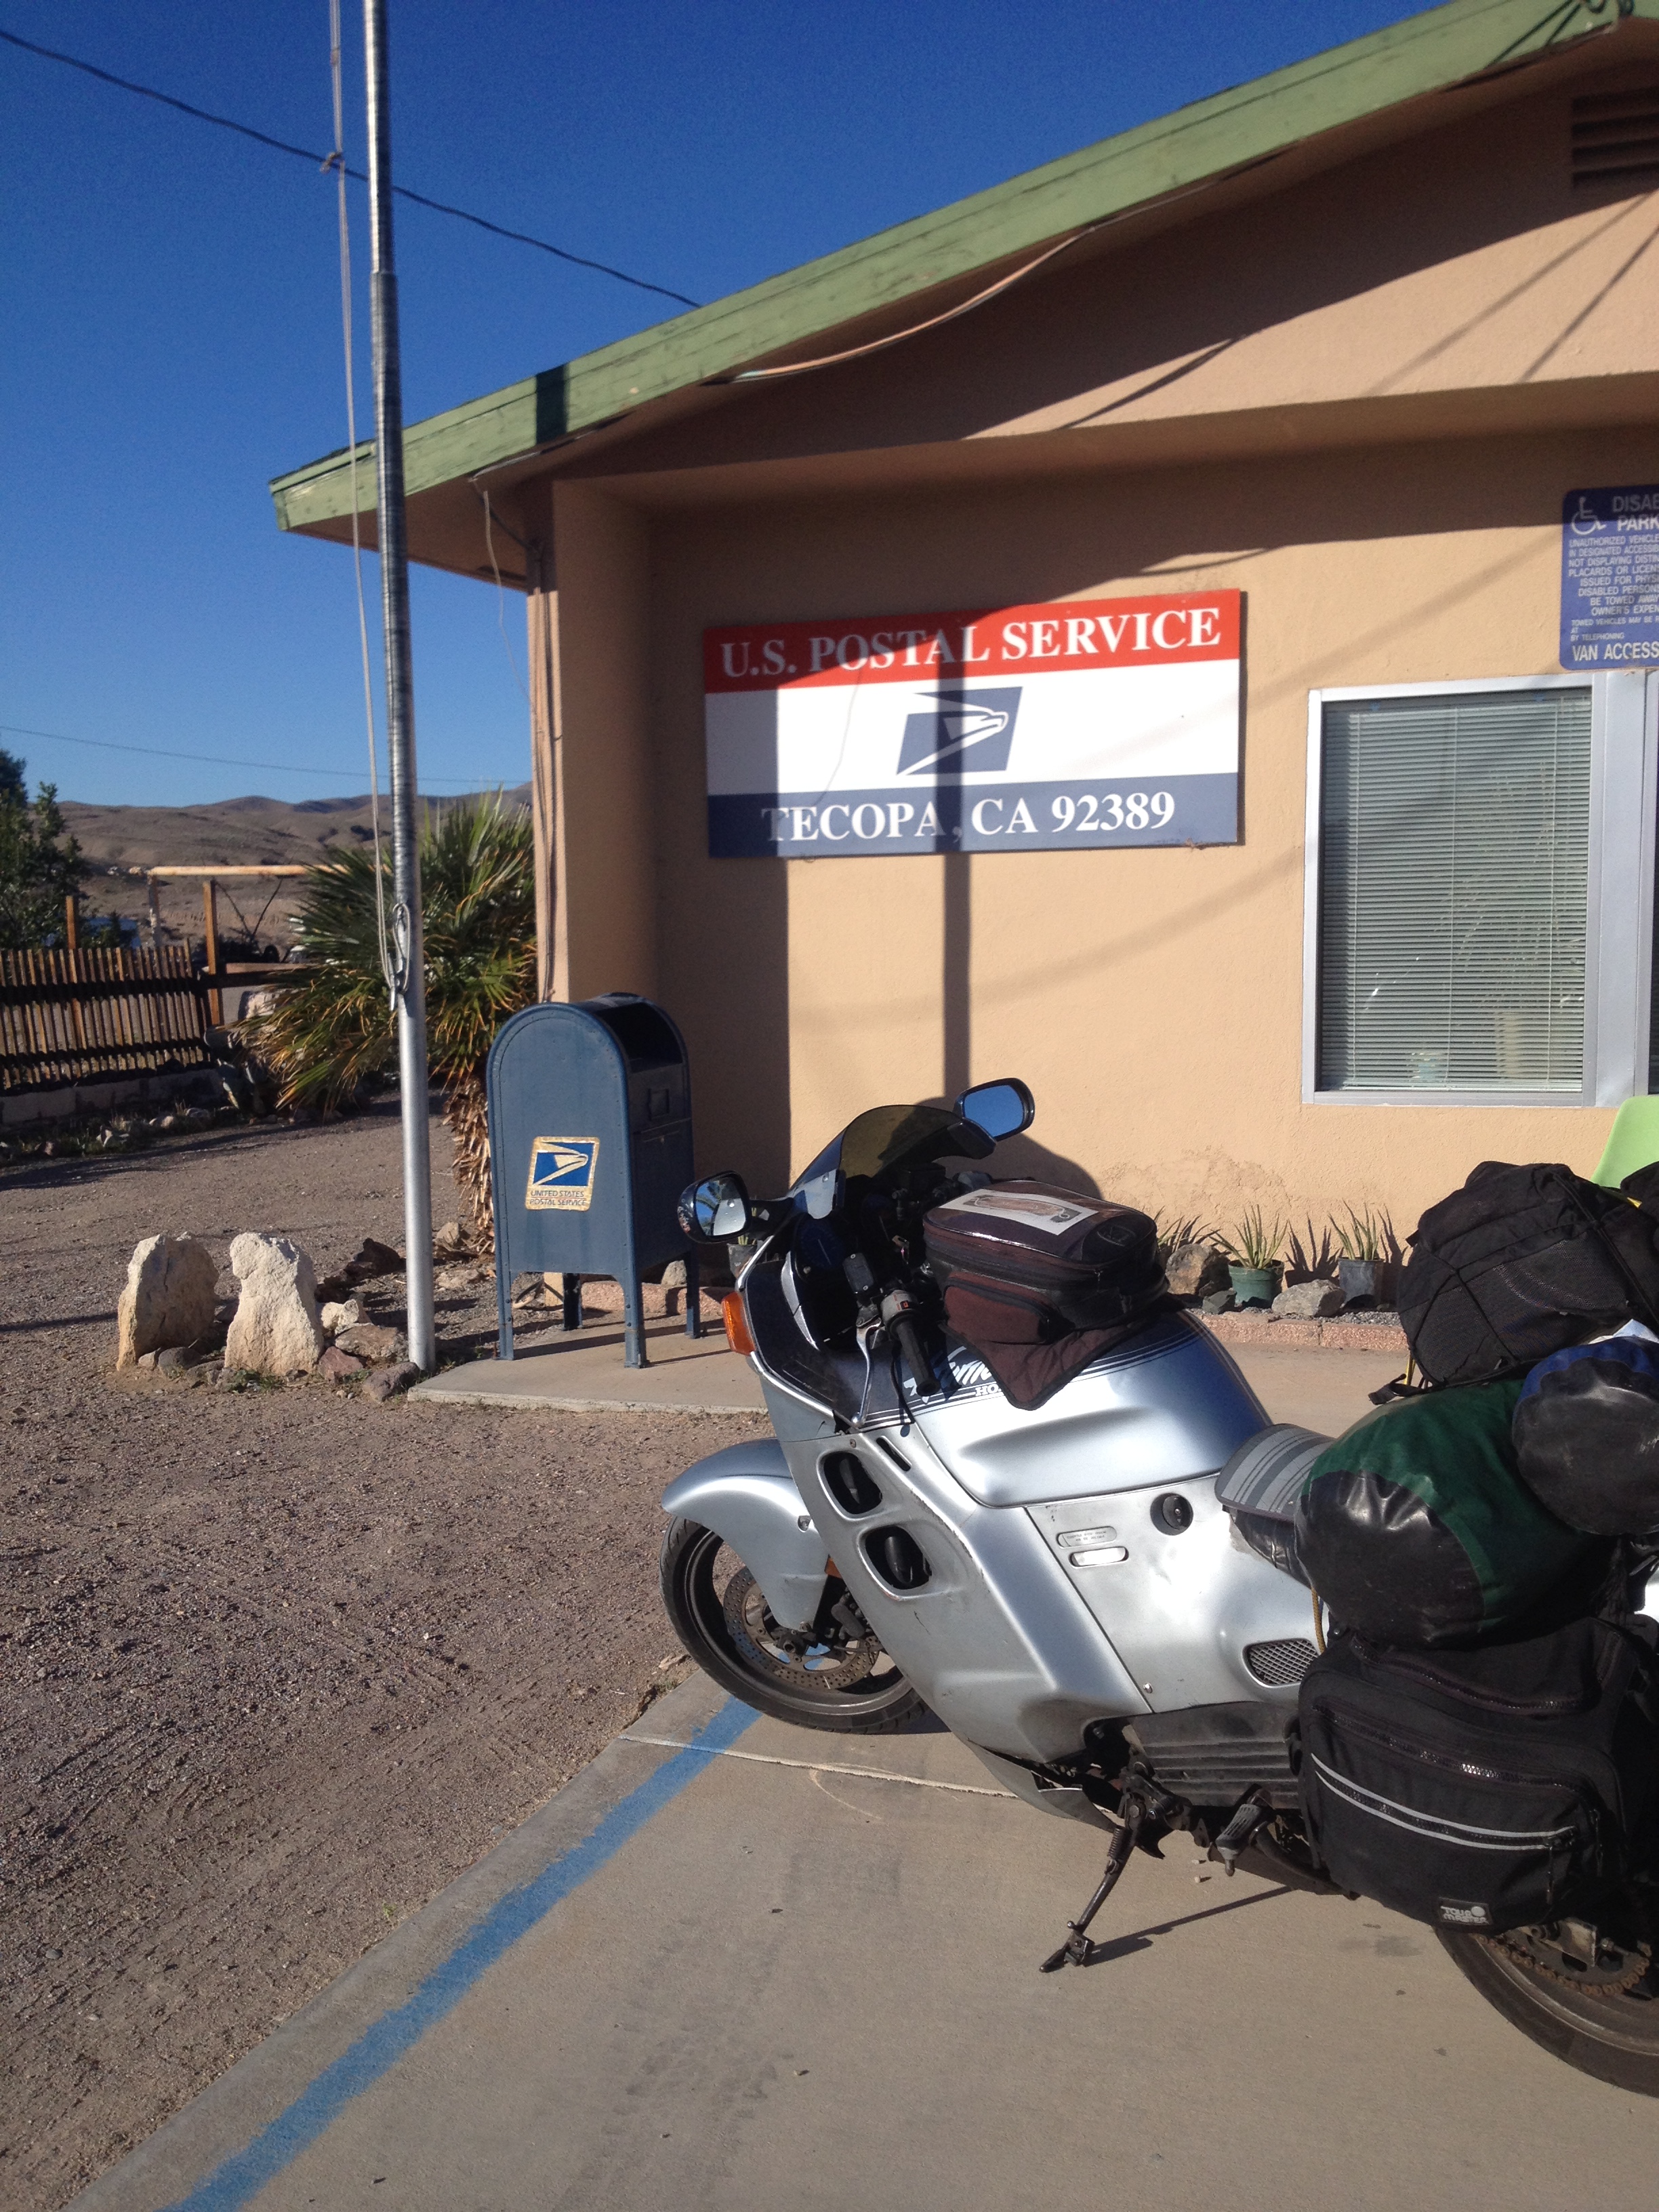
[(794, 1655), (1576, 1953)]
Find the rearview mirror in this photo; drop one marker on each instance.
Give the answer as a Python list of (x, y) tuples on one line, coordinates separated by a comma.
[(1001, 1108), (716, 1207)]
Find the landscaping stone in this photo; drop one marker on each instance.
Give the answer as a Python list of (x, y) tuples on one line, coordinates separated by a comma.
[(1309, 1300), (452, 1243), (276, 1329), (602, 1298), (1196, 1270), (368, 1341), (338, 1366), (463, 1278), (1218, 1302), (372, 1259), (388, 1381), (167, 1298), (339, 1313)]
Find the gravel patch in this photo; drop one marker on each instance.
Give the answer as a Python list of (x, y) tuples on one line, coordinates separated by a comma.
[(279, 1663)]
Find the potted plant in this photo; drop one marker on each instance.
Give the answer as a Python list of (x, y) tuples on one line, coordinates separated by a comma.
[(1369, 1257), (1253, 1248)]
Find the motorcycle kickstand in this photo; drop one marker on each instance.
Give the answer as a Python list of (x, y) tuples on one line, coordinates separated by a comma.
[(1076, 1950)]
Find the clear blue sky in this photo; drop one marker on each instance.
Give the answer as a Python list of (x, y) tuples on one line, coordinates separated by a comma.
[(173, 308)]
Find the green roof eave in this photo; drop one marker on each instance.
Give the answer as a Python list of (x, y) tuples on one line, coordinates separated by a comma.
[(1425, 54)]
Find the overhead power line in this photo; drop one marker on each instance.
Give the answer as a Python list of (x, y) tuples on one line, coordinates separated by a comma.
[(213, 760), (327, 161)]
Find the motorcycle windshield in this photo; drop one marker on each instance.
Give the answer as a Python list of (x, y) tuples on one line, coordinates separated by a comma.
[(885, 1138)]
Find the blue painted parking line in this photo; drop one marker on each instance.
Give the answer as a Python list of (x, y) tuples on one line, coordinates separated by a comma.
[(241, 2176)]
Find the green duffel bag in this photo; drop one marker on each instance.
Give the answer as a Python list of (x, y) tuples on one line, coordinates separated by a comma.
[(1416, 1528)]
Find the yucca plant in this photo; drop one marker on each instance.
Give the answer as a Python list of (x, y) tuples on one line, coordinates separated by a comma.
[(335, 1027), (1182, 1229), (1254, 1241), (1366, 1236)]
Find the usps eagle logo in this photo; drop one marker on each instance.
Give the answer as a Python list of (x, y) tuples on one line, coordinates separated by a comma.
[(561, 1175), (961, 733)]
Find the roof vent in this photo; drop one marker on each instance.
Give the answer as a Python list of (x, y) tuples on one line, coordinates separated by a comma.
[(1615, 134)]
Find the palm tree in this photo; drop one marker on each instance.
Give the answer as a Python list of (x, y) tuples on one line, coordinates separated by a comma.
[(329, 1031)]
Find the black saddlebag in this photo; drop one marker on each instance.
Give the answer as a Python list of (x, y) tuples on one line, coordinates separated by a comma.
[(1039, 1281), (1488, 1788), (1518, 1263), (1587, 1436)]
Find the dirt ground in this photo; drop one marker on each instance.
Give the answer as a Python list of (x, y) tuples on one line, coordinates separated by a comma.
[(278, 1665)]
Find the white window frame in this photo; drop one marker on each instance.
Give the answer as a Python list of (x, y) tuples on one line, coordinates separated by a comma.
[(1618, 955)]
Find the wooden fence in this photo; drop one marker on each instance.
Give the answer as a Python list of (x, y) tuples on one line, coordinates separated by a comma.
[(82, 1016)]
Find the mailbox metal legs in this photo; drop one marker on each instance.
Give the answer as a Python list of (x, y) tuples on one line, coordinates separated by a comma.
[(634, 1301), (633, 1334), (570, 1289)]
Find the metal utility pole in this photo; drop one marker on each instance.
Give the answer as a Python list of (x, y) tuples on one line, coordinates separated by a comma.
[(408, 949)]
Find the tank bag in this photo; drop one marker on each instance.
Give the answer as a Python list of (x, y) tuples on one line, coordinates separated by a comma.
[(1038, 1280)]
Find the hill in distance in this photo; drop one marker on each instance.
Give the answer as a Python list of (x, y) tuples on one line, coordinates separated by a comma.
[(233, 832)]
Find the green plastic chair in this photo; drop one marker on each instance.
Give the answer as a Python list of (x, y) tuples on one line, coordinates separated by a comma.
[(1633, 1142)]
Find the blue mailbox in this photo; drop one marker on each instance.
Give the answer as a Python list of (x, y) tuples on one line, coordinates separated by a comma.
[(590, 1147)]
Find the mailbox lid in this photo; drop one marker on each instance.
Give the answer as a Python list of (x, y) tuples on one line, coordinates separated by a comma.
[(659, 1084)]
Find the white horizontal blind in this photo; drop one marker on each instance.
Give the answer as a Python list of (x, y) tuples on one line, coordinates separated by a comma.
[(1454, 873)]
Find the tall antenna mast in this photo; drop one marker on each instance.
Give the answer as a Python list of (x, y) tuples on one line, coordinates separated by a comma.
[(409, 964)]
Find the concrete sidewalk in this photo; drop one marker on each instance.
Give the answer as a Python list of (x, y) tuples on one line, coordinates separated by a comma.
[(782, 1967), (584, 1371)]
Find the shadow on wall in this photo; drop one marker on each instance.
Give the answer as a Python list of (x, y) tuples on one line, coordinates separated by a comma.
[(736, 1023), (1024, 1156), (1014, 1157)]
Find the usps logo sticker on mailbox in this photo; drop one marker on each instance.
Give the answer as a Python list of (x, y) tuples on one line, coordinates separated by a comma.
[(561, 1175)]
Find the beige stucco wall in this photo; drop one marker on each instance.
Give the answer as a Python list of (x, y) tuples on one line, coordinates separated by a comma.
[(1357, 394), (1152, 998), (1434, 278), (605, 908)]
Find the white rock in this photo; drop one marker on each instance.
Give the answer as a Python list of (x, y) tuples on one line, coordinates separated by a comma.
[(277, 1330), (1307, 1301), (345, 1313), (167, 1298)]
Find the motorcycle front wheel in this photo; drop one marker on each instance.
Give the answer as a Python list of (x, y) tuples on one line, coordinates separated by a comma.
[(1596, 2015), (841, 1680)]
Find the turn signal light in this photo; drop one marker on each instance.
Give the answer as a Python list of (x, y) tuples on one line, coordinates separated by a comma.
[(737, 1324)]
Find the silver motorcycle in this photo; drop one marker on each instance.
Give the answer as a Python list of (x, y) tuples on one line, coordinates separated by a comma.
[(1062, 1587)]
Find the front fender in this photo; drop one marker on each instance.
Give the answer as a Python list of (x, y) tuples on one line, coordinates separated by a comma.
[(747, 1495)]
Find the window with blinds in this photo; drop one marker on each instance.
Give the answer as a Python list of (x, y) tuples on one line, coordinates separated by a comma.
[(1453, 892)]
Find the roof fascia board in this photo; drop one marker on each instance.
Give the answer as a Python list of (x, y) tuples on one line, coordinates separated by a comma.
[(1425, 53)]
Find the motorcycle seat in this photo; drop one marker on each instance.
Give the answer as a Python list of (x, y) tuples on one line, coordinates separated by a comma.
[(1259, 1487)]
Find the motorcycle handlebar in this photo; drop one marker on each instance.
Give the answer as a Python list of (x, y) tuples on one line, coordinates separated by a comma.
[(909, 1343)]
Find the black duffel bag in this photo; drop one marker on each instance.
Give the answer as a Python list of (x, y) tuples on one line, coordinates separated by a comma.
[(1489, 1789), (1039, 1281), (1587, 1436), (1415, 1528), (1520, 1262)]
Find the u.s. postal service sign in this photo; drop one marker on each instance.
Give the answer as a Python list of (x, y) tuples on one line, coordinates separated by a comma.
[(1083, 723), (561, 1175)]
